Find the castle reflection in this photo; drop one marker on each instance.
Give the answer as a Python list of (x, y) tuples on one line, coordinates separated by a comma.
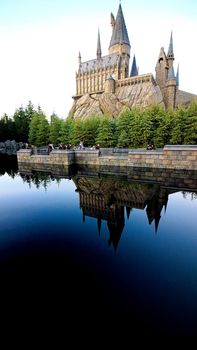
[(109, 199)]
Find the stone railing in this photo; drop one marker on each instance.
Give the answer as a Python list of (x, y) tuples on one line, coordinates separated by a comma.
[(58, 157), (170, 157)]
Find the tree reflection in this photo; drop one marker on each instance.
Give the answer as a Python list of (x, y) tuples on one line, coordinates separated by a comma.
[(8, 165)]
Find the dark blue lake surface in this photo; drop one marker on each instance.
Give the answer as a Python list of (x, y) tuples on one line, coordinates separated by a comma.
[(99, 245)]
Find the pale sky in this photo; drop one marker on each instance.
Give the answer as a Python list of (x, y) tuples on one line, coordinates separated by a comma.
[(40, 41)]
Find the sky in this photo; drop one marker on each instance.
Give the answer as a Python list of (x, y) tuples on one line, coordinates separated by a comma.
[(40, 41)]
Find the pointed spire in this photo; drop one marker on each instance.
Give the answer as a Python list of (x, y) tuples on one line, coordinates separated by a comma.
[(79, 58), (98, 52), (157, 219), (128, 210), (119, 35), (170, 49), (112, 21), (177, 76), (99, 225), (171, 75), (134, 70)]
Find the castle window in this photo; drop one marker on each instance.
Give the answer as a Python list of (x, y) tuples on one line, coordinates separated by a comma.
[(161, 59)]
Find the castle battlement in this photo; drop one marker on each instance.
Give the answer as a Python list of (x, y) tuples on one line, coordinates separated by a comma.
[(139, 79)]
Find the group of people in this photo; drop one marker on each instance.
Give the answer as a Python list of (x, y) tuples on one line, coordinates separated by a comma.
[(150, 146), (81, 146), (65, 146)]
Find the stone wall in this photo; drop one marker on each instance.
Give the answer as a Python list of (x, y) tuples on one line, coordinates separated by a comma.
[(58, 157), (170, 157)]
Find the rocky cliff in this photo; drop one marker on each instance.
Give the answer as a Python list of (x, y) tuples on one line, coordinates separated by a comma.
[(136, 95)]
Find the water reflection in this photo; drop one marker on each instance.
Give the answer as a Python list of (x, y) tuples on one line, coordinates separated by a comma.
[(109, 198), (8, 165), (79, 238)]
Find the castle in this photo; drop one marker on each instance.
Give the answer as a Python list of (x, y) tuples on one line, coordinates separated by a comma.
[(106, 84)]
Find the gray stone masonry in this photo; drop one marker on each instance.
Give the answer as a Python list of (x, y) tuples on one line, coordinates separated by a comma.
[(170, 157)]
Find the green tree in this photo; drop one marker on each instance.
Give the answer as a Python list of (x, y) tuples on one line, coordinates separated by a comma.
[(22, 118), (66, 131), (135, 131), (162, 134), (178, 125), (7, 128), (123, 139), (55, 129), (90, 131), (77, 132), (190, 130), (33, 129), (42, 136), (123, 127), (107, 136)]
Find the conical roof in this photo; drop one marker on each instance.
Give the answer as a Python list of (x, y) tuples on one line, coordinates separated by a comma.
[(119, 35), (170, 48), (134, 70), (171, 75), (98, 52)]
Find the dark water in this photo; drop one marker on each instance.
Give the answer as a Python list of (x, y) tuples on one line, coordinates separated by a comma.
[(99, 246)]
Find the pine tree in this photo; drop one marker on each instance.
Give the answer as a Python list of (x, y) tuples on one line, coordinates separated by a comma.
[(107, 136), (42, 136), (55, 129), (66, 131), (33, 129), (90, 131)]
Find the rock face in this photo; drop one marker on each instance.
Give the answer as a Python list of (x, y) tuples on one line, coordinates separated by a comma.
[(136, 95), (10, 147)]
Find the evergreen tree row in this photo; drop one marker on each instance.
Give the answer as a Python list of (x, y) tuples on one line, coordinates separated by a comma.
[(131, 129)]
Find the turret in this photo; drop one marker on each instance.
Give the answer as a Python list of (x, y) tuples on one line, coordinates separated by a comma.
[(171, 89), (110, 85), (161, 69)]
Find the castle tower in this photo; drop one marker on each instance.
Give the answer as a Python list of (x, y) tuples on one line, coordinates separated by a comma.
[(177, 77), (161, 69), (170, 96), (110, 85), (165, 76), (120, 44)]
